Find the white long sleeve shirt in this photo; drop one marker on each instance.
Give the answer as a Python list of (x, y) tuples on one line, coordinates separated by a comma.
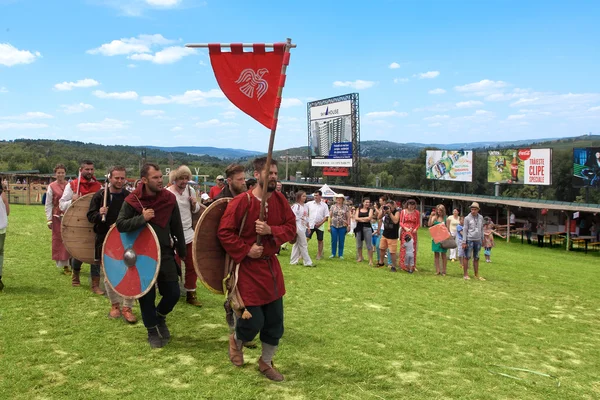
[(65, 201), (183, 201)]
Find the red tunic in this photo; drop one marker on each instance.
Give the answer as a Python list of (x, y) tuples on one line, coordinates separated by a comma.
[(260, 281), (214, 191)]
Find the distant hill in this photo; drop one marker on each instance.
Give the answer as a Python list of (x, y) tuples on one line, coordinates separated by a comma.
[(226, 153)]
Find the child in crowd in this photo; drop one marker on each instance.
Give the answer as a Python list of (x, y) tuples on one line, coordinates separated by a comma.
[(409, 258), (376, 238), (488, 238)]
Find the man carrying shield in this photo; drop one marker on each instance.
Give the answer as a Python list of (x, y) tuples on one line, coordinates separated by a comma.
[(260, 279), (103, 217), (151, 203), (84, 184)]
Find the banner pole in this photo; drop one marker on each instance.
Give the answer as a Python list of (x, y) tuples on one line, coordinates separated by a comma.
[(265, 173)]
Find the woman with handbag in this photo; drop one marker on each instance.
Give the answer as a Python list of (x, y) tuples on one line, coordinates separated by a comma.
[(410, 219), (339, 220), (438, 216), (300, 248)]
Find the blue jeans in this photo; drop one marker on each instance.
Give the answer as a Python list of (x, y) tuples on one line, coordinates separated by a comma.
[(338, 237), (151, 313), (473, 249), (376, 241)]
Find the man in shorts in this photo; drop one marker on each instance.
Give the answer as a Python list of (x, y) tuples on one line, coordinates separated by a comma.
[(318, 213), (473, 236)]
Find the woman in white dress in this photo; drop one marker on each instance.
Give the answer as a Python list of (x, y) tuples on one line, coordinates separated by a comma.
[(300, 248)]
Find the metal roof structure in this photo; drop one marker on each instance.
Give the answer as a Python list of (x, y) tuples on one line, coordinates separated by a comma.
[(507, 201)]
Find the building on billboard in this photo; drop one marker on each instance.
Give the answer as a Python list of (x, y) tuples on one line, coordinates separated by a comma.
[(333, 137), (586, 167), (520, 166)]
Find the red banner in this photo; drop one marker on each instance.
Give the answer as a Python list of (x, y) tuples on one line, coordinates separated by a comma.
[(335, 171), (250, 80)]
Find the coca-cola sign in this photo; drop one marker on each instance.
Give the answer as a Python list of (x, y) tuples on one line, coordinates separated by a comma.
[(524, 154)]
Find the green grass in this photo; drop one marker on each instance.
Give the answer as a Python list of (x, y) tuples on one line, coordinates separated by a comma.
[(352, 332)]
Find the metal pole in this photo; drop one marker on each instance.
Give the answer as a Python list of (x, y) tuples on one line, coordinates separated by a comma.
[(267, 169), (507, 224)]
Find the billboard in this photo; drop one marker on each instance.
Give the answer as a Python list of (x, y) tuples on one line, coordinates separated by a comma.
[(331, 132), (520, 166), (586, 167), (450, 165)]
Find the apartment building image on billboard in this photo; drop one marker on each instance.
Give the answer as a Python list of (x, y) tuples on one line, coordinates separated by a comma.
[(327, 132)]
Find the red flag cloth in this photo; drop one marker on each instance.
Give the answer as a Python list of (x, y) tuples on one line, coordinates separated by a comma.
[(250, 80)]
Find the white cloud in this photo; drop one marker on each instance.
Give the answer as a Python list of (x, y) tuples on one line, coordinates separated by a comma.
[(436, 118), (115, 95), (27, 116), (401, 80), (131, 66), (428, 75), (562, 100), (441, 107), (151, 113), (505, 96), (190, 97), (357, 84), (21, 126), (394, 65), (233, 114), (82, 83), (482, 112), (140, 44), (516, 116), (176, 129), (10, 55), (435, 125), (3, 89), (165, 56), (468, 104), (214, 123), (108, 124), (384, 114), (437, 91), (163, 3), (593, 109), (482, 87), (290, 102), (76, 108)]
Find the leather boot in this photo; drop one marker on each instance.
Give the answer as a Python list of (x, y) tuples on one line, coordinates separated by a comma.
[(115, 311), (66, 270), (75, 278), (96, 285), (192, 299), (154, 338), (128, 315), (163, 329)]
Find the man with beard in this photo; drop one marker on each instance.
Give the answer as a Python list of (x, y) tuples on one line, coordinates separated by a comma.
[(117, 178), (150, 203), (188, 205), (86, 183), (260, 279), (236, 181)]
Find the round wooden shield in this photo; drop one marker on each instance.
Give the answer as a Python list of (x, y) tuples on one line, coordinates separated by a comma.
[(131, 261), (209, 255), (77, 232)]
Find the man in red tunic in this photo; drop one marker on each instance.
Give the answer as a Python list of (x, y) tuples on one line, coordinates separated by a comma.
[(86, 183), (260, 279)]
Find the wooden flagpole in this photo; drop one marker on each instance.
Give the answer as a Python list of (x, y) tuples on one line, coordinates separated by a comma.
[(105, 195), (267, 169)]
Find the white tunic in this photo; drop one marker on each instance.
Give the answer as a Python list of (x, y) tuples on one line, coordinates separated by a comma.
[(183, 201)]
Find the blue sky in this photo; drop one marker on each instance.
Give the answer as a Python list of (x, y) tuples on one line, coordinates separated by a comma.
[(116, 71)]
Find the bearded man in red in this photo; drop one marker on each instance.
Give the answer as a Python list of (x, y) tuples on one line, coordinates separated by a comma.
[(86, 183), (260, 279)]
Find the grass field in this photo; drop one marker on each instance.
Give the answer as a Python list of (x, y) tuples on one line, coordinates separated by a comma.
[(352, 332)]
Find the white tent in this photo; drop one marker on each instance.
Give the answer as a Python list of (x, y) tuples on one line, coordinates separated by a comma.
[(327, 192)]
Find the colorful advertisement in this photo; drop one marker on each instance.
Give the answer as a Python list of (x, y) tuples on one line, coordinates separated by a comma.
[(450, 165), (586, 167), (331, 134), (520, 166)]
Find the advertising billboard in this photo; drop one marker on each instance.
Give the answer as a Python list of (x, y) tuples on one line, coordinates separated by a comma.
[(450, 165), (331, 134), (520, 166), (586, 167)]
